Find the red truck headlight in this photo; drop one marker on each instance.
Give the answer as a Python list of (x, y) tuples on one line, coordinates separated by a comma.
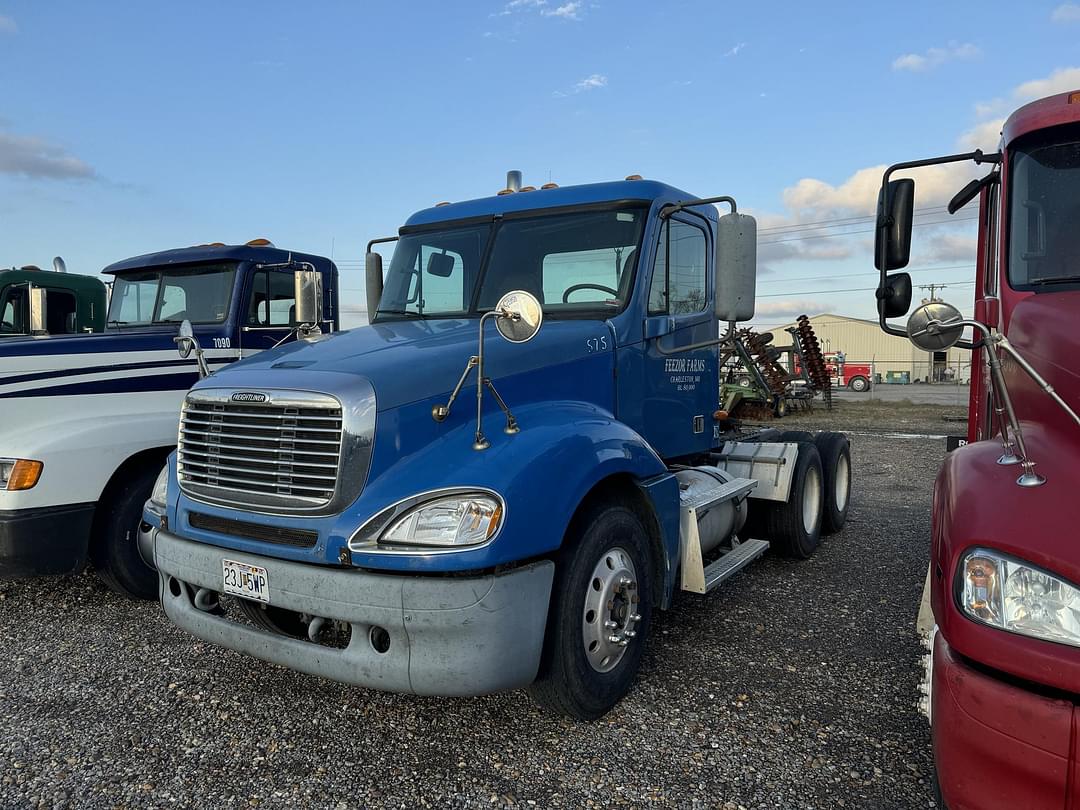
[(1017, 597)]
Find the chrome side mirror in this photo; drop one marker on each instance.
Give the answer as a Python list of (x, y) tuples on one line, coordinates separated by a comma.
[(936, 326), (39, 311), (308, 292), (186, 343), (519, 316)]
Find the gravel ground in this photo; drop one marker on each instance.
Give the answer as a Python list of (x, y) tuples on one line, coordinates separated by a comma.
[(793, 686)]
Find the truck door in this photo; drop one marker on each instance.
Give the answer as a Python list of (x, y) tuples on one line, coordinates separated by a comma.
[(680, 390), (269, 312)]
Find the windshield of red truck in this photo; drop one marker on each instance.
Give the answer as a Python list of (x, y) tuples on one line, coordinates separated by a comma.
[(199, 294), (1044, 204), (578, 264)]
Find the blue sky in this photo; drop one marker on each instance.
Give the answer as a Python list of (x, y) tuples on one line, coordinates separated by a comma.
[(128, 127)]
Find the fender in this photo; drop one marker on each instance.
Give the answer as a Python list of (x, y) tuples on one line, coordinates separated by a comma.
[(978, 504)]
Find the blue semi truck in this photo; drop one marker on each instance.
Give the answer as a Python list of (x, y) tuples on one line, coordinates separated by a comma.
[(499, 481), (87, 420)]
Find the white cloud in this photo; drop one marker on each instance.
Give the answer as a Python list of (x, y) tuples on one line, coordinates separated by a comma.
[(935, 57), (593, 82), (788, 307), (567, 11), (943, 248), (734, 49), (7, 25), (1061, 80), (28, 156), (515, 6), (1066, 13)]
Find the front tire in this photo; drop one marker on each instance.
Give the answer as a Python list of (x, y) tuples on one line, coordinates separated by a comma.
[(114, 551), (600, 613), (858, 384)]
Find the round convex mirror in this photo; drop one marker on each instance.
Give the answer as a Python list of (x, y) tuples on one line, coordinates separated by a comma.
[(184, 339), (935, 327), (523, 318)]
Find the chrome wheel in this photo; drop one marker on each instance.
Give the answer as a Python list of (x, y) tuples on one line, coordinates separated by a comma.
[(843, 482), (811, 505), (607, 623)]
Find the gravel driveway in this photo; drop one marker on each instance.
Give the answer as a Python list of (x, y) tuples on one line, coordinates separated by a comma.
[(794, 686)]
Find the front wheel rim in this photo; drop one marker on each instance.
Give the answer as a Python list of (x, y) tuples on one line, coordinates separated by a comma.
[(610, 617)]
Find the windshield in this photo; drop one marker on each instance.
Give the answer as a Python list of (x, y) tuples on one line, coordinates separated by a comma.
[(577, 264), (1044, 194), (199, 294)]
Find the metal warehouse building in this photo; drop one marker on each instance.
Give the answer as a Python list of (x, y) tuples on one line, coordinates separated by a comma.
[(893, 358)]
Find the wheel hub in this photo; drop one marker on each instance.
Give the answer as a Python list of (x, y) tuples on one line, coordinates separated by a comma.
[(610, 618)]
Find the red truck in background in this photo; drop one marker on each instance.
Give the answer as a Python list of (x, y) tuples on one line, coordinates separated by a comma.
[(1003, 676), (845, 374)]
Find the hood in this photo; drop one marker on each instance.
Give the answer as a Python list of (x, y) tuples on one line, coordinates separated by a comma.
[(1043, 330), (417, 359)]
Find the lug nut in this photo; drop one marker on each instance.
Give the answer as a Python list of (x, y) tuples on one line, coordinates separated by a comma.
[(610, 625), (636, 617), (630, 633), (614, 639)]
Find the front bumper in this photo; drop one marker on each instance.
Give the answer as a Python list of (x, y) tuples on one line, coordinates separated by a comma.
[(44, 541), (448, 635), (998, 744)]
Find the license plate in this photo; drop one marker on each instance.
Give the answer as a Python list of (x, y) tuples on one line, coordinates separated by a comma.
[(248, 581)]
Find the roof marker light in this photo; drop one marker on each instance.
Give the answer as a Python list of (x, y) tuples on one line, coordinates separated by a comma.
[(633, 177), (441, 204), (527, 188), (1074, 98), (548, 185), (506, 191), (260, 242)]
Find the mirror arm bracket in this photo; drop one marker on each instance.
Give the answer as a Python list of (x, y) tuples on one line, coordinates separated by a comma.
[(724, 338)]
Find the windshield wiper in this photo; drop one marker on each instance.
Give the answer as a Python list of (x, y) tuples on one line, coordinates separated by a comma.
[(1055, 280), (402, 312), (117, 323)]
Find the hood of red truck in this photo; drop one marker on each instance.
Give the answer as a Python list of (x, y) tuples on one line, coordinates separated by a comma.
[(1045, 330)]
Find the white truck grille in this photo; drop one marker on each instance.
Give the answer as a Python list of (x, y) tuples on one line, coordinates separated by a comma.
[(281, 452)]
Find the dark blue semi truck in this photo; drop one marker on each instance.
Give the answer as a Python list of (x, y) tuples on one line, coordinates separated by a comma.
[(499, 481)]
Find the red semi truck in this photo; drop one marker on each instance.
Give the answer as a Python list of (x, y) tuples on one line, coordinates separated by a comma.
[(1003, 675)]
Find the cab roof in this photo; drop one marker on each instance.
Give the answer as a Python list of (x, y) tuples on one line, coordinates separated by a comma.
[(630, 191), (1063, 108), (43, 278), (201, 254)]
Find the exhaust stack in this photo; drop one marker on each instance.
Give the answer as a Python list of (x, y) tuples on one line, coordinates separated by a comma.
[(58, 265), (513, 180)]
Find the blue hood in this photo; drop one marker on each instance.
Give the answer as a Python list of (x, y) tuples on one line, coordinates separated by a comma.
[(413, 360)]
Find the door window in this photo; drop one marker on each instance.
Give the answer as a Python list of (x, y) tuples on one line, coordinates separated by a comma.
[(273, 300), (13, 310), (60, 312), (678, 282)]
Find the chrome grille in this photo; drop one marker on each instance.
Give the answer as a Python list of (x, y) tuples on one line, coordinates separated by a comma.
[(284, 452)]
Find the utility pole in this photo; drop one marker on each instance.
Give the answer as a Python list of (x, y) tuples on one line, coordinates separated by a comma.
[(933, 288)]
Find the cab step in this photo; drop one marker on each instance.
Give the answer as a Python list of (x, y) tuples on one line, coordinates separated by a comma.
[(734, 561)]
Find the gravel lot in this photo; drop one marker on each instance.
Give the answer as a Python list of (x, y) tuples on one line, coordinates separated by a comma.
[(794, 686)]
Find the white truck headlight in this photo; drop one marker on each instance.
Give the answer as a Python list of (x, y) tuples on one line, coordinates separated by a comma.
[(160, 494), (466, 519), (17, 474), (1011, 595)]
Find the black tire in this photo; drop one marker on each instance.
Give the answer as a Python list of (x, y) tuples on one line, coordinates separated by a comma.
[(858, 384), (785, 523), (835, 452), (114, 548), (568, 683), (272, 619)]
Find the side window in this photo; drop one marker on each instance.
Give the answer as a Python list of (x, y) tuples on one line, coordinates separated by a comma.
[(442, 279), (13, 310), (680, 288), (273, 300), (60, 312), (990, 281), (173, 303)]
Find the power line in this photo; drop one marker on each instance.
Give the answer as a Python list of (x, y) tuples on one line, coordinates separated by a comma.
[(930, 211), (849, 289), (864, 273), (856, 233)]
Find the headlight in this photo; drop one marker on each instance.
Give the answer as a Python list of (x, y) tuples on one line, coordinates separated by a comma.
[(454, 520), (160, 495), (19, 473), (1014, 596)]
